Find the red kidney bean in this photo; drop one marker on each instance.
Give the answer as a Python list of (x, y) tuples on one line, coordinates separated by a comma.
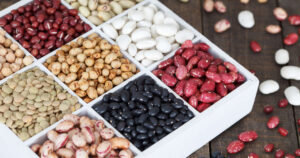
[(268, 109), (197, 72), (279, 153), (179, 51), (297, 152), (273, 122), (190, 88), (291, 39), (212, 68), (222, 69), (221, 89), (201, 47), (181, 72), (253, 155), (187, 44), (203, 63), (171, 70), (213, 76), (227, 78), (169, 80), (188, 53), (269, 148), (208, 86), (235, 147), (209, 97), (255, 47), (203, 106), (193, 101), (248, 136), (283, 103), (283, 131), (289, 156), (166, 63), (294, 20), (178, 60), (298, 122), (179, 89)]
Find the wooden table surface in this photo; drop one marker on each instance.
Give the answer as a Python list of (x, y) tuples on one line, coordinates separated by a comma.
[(236, 43)]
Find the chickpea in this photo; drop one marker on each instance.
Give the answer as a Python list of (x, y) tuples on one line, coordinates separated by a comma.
[(105, 72), (101, 79), (70, 60), (93, 36), (79, 41), (100, 90), (93, 83), (2, 32), (56, 68), (19, 53), (97, 55), (0, 66), (62, 77), (74, 44), (105, 53), (125, 67), (116, 64), (118, 71), (92, 93), (7, 43), (89, 61), (117, 80), (3, 51), (108, 85), (10, 57), (65, 68), (93, 75), (61, 58), (51, 59), (87, 99), (70, 77), (6, 65), (65, 48), (88, 44), (2, 59), (83, 84), (74, 67), (97, 48), (98, 66), (2, 39), (104, 45), (81, 57), (80, 93), (89, 52), (85, 75), (107, 67), (125, 61), (27, 60), (133, 68), (75, 51), (6, 71), (126, 75), (14, 47), (15, 67), (74, 85), (112, 74)]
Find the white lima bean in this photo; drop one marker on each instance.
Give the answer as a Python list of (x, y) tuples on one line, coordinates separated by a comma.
[(246, 19), (282, 56), (292, 94), (268, 87), (150, 31), (110, 31), (290, 72)]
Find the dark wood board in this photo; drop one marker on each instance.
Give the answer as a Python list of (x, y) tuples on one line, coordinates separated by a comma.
[(236, 43)]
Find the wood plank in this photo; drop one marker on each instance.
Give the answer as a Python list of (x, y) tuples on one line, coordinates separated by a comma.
[(6, 3), (293, 50), (236, 43)]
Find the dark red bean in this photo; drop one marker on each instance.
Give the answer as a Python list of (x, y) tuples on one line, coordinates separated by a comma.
[(35, 39), (50, 44), (79, 28), (25, 21), (255, 47), (297, 152), (35, 24), (283, 103), (34, 52), (43, 35), (268, 109), (71, 31), (53, 32), (31, 31), (55, 26), (44, 52), (60, 35), (40, 18), (15, 24), (51, 11), (8, 29), (289, 156), (52, 38), (3, 22), (47, 25), (269, 148), (41, 27), (59, 43), (8, 17), (87, 27), (64, 27), (73, 12), (25, 44), (291, 39), (21, 10), (73, 21), (37, 46), (57, 4)]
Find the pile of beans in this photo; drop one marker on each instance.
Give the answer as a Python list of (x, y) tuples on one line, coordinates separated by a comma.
[(99, 11), (90, 66), (147, 34), (43, 25), (32, 101), (12, 58), (143, 111), (82, 137), (197, 76)]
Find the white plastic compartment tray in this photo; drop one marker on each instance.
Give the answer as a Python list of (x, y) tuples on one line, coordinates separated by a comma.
[(180, 143)]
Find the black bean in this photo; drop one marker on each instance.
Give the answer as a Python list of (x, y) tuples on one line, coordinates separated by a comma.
[(151, 133), (161, 136), (147, 88), (148, 94), (133, 89), (133, 133), (190, 114), (177, 105), (170, 122), (101, 109), (127, 135), (127, 129), (145, 142), (161, 123), (140, 87), (154, 139), (168, 129), (137, 111), (142, 118), (157, 90), (186, 119), (137, 143), (141, 129), (106, 98), (115, 97), (179, 117), (154, 111), (171, 96), (106, 116), (148, 125), (129, 84), (162, 116), (156, 101), (113, 122), (165, 93), (173, 114), (159, 130), (176, 125), (166, 108), (121, 126), (150, 105), (142, 107), (130, 122), (141, 98), (126, 115), (141, 136), (141, 80), (131, 104), (149, 81), (125, 96), (114, 105), (154, 121)]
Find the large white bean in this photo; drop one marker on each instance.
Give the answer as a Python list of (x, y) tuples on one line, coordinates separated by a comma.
[(146, 44), (166, 30), (119, 23), (132, 50), (183, 35), (146, 62), (129, 27), (136, 15), (163, 45), (123, 41), (268, 87), (292, 94), (153, 54), (110, 31), (159, 18), (140, 55), (140, 34), (148, 13), (290, 72), (171, 21), (282, 56), (246, 19)]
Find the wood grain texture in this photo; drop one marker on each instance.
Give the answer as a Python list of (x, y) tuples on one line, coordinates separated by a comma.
[(236, 43)]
